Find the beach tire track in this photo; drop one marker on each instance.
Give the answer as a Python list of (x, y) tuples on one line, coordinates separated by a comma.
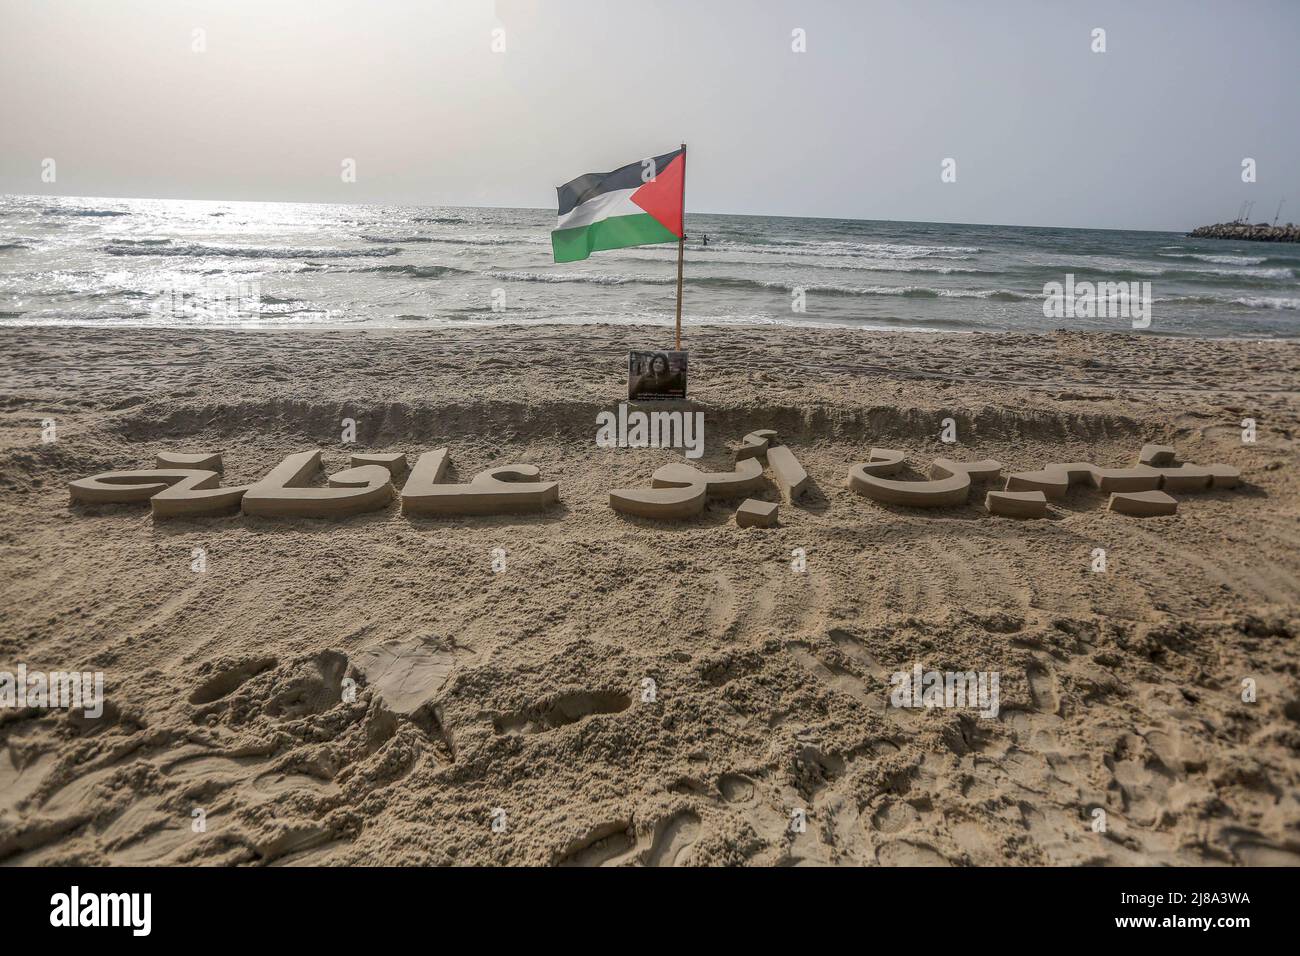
[(1252, 584)]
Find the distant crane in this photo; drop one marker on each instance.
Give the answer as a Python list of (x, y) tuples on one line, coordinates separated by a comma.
[(1278, 214)]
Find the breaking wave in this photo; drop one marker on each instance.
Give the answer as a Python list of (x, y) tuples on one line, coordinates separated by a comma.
[(1217, 260), (1247, 301), (57, 211), (129, 248), (729, 282), (863, 250), (1267, 302), (396, 240), (417, 272)]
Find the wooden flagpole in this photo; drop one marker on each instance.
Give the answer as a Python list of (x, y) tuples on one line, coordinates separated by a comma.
[(681, 251)]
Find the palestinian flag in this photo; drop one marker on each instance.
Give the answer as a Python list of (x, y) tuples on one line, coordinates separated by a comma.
[(632, 206)]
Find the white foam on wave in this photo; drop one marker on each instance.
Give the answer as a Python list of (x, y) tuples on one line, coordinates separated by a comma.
[(783, 285), (1218, 260), (833, 247), (1267, 302)]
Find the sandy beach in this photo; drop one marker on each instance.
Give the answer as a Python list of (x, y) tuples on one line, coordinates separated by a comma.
[(251, 693)]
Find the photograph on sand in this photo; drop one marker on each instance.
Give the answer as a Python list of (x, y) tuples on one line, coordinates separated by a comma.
[(357, 512)]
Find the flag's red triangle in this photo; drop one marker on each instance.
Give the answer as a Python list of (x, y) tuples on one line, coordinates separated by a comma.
[(662, 196)]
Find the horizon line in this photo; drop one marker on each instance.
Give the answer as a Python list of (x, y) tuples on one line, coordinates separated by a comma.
[(752, 215)]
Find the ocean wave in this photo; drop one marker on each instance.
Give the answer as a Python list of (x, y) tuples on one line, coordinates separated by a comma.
[(491, 240), (731, 282), (699, 320), (396, 240), (1189, 300), (920, 292), (1246, 273), (1249, 301), (56, 211), (118, 248), (417, 272), (440, 220), (1217, 260), (879, 265), (594, 278), (1123, 271), (1267, 302), (864, 250), (8, 246)]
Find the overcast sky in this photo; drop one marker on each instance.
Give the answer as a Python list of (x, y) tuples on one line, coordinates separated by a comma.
[(1150, 134)]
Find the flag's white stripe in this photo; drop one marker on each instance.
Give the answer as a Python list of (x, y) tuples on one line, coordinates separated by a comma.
[(617, 202)]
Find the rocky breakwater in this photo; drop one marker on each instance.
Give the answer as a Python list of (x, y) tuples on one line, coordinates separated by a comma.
[(1259, 232)]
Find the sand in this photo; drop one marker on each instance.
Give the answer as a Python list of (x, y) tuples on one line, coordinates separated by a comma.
[(391, 689)]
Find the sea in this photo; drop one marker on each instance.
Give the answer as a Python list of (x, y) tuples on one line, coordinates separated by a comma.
[(145, 262)]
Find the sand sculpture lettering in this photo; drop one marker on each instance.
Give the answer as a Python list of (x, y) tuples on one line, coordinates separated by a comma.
[(680, 490), (189, 485), (506, 489), (949, 483), (285, 493), (1142, 490), (182, 485), (753, 513)]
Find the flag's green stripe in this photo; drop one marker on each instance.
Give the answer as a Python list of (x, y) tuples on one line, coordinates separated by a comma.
[(613, 233)]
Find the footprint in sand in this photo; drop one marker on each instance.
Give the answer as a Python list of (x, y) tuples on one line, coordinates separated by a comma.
[(1175, 750), (894, 816), (903, 853), (837, 679), (1144, 788), (606, 844), (315, 687), (852, 648), (736, 788), (669, 844), (1043, 687), (673, 840), (562, 711), (982, 846), (228, 681), (722, 607)]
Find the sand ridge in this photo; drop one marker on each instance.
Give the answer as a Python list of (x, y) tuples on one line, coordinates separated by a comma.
[(624, 691)]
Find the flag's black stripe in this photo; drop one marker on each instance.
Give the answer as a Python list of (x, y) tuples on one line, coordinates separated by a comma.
[(593, 184)]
